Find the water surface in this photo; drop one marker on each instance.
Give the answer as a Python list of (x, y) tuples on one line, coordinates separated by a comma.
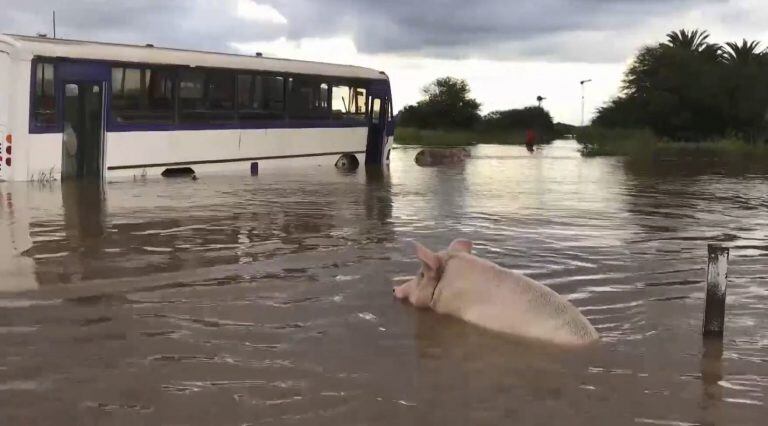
[(267, 300)]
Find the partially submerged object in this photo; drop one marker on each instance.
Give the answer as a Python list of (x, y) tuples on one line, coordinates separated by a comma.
[(82, 109), (441, 156), (456, 282)]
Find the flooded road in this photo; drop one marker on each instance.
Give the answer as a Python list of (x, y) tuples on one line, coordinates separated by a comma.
[(267, 300)]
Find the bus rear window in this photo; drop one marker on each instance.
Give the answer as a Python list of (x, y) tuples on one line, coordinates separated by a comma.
[(45, 98)]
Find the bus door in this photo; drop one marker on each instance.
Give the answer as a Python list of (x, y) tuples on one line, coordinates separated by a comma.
[(379, 109), (83, 111)]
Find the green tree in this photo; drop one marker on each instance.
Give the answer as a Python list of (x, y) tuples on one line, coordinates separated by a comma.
[(747, 70), (688, 88), (622, 111), (675, 88), (678, 90), (694, 41), (744, 53), (532, 117), (447, 104)]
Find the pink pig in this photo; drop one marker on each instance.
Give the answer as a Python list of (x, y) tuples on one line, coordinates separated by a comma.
[(455, 282)]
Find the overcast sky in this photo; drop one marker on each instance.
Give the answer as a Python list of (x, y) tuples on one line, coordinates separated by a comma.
[(510, 51)]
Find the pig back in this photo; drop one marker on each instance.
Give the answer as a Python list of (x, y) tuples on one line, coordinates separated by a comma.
[(503, 300)]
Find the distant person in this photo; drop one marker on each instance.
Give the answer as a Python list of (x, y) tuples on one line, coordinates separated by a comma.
[(530, 139)]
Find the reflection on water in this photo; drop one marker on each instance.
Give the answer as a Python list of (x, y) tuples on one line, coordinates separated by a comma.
[(712, 380), (234, 300)]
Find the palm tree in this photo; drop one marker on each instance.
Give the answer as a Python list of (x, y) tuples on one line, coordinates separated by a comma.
[(694, 41), (744, 53)]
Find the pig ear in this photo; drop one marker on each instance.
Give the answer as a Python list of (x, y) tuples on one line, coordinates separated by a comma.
[(461, 245), (429, 258)]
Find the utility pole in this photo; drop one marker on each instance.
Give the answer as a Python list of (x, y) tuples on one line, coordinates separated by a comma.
[(582, 82), (54, 24)]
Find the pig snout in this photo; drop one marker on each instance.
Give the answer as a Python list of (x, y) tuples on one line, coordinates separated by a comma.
[(401, 291)]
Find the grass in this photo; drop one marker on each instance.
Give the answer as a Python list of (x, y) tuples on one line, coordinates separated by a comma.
[(635, 144), (642, 143), (596, 141), (452, 138)]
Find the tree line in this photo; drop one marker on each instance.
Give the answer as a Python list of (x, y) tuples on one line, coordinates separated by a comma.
[(447, 105), (690, 89)]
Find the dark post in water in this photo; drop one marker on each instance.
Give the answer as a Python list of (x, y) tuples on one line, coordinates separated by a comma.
[(717, 281)]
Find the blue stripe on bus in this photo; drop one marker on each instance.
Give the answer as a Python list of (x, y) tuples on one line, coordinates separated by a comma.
[(255, 125), (242, 125)]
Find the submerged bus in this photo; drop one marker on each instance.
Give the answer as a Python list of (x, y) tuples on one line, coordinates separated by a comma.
[(72, 109)]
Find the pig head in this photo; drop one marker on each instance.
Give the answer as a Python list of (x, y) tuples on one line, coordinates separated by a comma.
[(420, 290), (455, 282)]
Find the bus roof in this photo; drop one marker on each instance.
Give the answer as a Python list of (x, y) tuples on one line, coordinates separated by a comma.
[(78, 49)]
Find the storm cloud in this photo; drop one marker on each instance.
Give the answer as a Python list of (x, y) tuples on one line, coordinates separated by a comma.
[(552, 30), (193, 24), (492, 29)]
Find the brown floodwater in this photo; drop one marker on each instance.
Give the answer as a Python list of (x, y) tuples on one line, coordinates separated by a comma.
[(238, 300)]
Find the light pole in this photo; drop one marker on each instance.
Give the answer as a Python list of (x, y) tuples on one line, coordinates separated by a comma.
[(540, 99), (582, 82)]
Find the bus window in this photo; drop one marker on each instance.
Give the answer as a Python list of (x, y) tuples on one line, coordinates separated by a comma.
[(45, 97), (376, 111), (260, 96), (192, 95), (348, 102), (248, 96), (221, 91), (360, 102), (341, 100), (206, 96), (321, 100), (274, 90), (307, 98), (142, 95)]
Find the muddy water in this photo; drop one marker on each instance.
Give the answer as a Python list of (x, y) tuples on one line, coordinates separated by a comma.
[(233, 300)]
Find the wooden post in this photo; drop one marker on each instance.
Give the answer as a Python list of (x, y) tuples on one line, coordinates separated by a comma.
[(717, 281)]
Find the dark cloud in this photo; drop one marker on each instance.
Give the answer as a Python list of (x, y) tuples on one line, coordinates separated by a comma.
[(195, 24), (498, 29), (481, 28)]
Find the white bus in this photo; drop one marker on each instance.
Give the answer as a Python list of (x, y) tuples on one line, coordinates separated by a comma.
[(72, 109)]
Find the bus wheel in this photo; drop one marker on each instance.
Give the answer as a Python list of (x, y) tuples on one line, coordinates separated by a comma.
[(347, 163)]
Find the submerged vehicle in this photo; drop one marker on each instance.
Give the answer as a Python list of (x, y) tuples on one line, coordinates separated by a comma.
[(81, 109)]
